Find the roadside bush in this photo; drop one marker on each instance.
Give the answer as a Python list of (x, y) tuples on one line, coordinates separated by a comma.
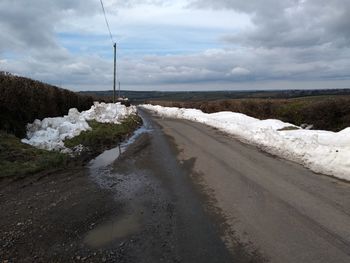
[(326, 113), (330, 114), (23, 100)]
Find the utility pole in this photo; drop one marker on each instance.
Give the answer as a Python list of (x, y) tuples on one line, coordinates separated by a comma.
[(115, 69)]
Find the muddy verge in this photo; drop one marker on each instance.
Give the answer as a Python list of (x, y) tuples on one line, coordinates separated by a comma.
[(141, 207), (46, 218)]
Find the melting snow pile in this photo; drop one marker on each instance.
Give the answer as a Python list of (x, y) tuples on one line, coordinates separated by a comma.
[(322, 151), (108, 113), (50, 133)]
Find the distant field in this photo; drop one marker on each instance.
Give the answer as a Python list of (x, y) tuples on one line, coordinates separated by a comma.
[(325, 109), (326, 112), (143, 96)]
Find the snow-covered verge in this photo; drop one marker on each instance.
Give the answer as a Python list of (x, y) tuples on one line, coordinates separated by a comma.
[(50, 133), (322, 151)]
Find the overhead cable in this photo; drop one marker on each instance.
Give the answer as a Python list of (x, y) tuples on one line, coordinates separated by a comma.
[(109, 29)]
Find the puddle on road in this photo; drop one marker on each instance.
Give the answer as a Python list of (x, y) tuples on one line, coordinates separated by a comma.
[(100, 168), (105, 159), (107, 233), (101, 172)]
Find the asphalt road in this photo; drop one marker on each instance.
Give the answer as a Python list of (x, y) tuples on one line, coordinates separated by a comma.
[(277, 209), (182, 192)]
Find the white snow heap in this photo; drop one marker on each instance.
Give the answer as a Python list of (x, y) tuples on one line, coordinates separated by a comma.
[(50, 133), (108, 113), (322, 151)]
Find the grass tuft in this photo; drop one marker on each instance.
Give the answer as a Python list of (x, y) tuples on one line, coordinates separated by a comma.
[(104, 134), (17, 158)]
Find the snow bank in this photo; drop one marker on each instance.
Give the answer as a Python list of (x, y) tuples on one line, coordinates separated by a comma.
[(108, 113), (322, 151), (50, 133)]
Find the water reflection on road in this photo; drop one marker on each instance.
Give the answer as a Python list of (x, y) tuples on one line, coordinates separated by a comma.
[(101, 172)]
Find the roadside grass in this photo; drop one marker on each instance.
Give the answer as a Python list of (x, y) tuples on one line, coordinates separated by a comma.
[(19, 159), (104, 135)]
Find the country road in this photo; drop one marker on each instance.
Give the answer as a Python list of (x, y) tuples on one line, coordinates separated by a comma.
[(281, 210), (180, 192)]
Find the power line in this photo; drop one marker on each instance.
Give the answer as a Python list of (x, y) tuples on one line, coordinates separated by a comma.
[(109, 29), (115, 71)]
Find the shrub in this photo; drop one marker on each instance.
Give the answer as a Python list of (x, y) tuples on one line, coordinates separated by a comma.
[(23, 100), (326, 113)]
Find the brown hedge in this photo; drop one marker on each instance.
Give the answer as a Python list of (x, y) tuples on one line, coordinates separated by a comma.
[(23, 100), (326, 113)]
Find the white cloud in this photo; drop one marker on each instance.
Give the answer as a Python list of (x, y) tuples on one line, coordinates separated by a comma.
[(239, 71), (192, 43)]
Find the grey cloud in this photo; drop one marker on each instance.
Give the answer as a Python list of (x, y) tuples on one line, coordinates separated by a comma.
[(31, 24), (291, 40), (230, 66), (133, 3), (249, 64), (28, 31), (290, 23), (218, 66)]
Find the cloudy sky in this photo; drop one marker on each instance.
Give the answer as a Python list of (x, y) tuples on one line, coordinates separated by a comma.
[(179, 44)]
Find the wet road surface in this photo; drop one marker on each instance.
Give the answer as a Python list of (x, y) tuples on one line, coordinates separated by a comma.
[(164, 217), (280, 209), (138, 206), (177, 191)]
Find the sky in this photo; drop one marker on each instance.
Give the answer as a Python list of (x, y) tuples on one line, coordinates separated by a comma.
[(179, 44)]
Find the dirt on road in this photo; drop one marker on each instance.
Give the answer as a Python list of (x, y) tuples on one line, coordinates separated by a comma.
[(143, 207), (179, 192), (284, 210), (45, 218)]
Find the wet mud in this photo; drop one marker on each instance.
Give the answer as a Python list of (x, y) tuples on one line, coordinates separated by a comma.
[(133, 203)]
